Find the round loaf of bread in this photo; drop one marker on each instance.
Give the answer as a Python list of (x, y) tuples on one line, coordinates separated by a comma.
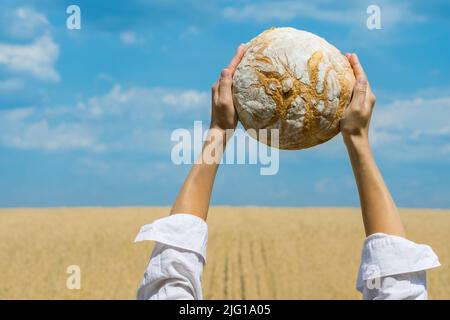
[(293, 81)]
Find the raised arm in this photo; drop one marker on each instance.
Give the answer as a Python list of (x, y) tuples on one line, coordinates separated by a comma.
[(195, 194), (378, 209), (392, 267), (176, 266)]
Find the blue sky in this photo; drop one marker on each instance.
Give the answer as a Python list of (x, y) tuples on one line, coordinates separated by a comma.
[(86, 115)]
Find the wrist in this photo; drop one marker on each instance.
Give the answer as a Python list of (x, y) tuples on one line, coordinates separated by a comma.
[(357, 143), (216, 137), (226, 134), (214, 146)]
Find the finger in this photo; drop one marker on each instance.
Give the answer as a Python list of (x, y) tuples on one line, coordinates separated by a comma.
[(361, 73), (225, 82), (360, 92), (236, 59), (356, 66), (226, 76), (215, 92)]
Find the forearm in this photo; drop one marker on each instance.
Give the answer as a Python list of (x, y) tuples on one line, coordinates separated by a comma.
[(379, 211), (195, 194), (176, 267)]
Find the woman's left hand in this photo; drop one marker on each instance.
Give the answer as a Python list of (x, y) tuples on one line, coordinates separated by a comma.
[(223, 114)]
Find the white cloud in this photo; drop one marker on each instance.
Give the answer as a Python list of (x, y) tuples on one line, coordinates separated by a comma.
[(189, 32), (23, 22), (37, 59), (446, 149), (347, 13), (40, 135), (412, 129), (186, 99), (128, 37), (134, 118), (141, 119), (103, 76), (17, 114), (141, 102), (415, 114), (10, 85), (285, 10), (395, 13), (402, 130)]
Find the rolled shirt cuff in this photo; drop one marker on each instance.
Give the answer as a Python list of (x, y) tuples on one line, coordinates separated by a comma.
[(386, 255), (180, 230)]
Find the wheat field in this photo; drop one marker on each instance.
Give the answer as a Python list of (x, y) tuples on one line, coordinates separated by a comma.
[(253, 253)]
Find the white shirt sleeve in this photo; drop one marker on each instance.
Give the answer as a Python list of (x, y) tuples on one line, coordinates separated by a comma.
[(394, 268), (176, 265)]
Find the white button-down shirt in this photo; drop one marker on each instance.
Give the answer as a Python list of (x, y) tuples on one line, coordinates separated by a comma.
[(391, 267)]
